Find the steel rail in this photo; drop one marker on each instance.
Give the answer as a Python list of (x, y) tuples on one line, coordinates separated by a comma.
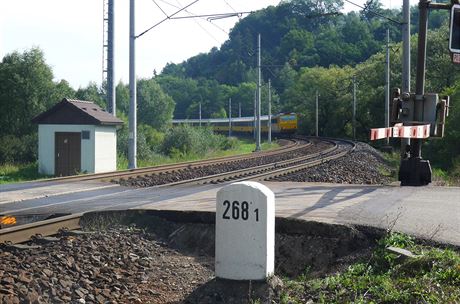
[(198, 164), (116, 175), (268, 170), (23, 233), (300, 167)]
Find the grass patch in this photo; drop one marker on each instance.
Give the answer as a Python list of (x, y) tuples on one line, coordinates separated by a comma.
[(242, 146), (390, 169), (14, 173), (431, 277)]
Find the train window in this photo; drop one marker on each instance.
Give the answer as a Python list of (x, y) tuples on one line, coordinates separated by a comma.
[(288, 117)]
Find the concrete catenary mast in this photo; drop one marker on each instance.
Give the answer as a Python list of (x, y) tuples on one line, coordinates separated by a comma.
[(108, 56)]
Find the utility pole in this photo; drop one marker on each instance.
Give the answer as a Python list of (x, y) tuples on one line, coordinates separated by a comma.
[(229, 117), (199, 112), (269, 112), (132, 149), (387, 86), (255, 118), (258, 94), (420, 76), (406, 62), (108, 54), (317, 116), (239, 109), (354, 108), (111, 99)]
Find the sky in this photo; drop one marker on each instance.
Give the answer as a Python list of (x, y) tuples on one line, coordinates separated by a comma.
[(70, 33)]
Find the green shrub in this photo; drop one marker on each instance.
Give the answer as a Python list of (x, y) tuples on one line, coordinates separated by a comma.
[(183, 140), (149, 142), (431, 277), (18, 149)]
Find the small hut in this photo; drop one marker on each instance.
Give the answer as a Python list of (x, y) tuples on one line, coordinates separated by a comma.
[(76, 136)]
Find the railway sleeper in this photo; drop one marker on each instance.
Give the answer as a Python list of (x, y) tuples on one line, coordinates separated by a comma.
[(40, 239), (19, 246)]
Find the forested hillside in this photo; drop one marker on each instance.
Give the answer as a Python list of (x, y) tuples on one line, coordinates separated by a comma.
[(295, 34)]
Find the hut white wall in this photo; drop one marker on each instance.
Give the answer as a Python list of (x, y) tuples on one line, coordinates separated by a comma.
[(46, 149), (105, 149)]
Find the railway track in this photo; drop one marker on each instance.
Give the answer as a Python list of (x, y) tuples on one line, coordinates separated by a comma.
[(326, 149), (275, 169), (288, 145)]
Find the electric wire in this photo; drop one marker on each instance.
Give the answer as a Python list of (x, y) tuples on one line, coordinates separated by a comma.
[(228, 4), (160, 8), (167, 18), (197, 23), (375, 13), (193, 14)]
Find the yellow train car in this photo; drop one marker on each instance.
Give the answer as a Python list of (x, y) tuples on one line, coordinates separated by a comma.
[(283, 123)]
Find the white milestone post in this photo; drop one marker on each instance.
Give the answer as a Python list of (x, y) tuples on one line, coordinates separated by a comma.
[(245, 232)]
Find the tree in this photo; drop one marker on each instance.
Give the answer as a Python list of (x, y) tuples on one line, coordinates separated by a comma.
[(26, 84), (92, 92), (155, 108), (122, 98), (184, 92), (26, 90), (334, 86)]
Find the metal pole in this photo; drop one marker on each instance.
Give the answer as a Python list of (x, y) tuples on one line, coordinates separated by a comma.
[(387, 85), (406, 61), (416, 150), (239, 109), (269, 112), (317, 117), (258, 94), (406, 47), (110, 60), (354, 108), (229, 117), (132, 149), (199, 107), (255, 102)]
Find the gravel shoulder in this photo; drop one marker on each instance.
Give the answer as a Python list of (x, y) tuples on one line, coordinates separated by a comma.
[(123, 265)]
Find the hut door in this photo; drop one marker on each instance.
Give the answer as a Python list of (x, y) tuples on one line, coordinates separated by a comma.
[(67, 153)]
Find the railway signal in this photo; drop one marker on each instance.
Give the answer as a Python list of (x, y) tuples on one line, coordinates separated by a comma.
[(419, 112)]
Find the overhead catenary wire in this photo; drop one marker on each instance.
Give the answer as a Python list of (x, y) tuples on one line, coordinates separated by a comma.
[(160, 8), (213, 16), (375, 13), (167, 18), (228, 4), (193, 14), (201, 26)]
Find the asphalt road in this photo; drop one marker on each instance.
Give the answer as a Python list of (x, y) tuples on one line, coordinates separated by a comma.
[(427, 212)]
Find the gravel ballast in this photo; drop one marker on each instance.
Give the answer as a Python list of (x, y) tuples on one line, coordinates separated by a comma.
[(121, 265), (365, 166)]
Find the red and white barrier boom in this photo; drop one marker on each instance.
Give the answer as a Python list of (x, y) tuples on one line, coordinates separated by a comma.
[(422, 131)]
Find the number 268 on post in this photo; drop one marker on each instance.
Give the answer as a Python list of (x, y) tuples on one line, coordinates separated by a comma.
[(235, 210)]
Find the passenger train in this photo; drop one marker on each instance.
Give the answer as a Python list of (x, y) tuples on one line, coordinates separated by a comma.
[(283, 123)]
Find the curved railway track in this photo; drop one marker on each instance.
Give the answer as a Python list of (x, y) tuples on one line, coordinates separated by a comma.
[(301, 154)]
